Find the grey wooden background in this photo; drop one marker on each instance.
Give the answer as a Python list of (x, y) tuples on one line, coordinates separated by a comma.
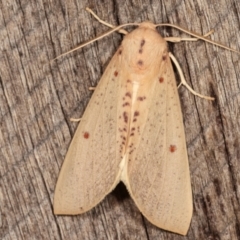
[(38, 99)]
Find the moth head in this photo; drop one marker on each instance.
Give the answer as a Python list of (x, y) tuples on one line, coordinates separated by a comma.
[(148, 25), (144, 48)]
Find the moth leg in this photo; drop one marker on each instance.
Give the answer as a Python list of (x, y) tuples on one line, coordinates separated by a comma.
[(183, 81), (91, 88), (180, 39), (75, 119), (105, 23), (99, 37)]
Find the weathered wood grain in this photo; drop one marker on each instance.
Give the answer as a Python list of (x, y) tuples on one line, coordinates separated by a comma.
[(38, 99)]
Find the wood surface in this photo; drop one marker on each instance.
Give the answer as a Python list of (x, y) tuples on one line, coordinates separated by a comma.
[(37, 100)]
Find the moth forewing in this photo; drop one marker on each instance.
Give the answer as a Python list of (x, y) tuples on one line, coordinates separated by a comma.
[(157, 173), (91, 167)]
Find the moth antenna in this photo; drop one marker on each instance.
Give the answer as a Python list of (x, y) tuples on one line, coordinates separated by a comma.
[(180, 39), (197, 36), (97, 38), (105, 23)]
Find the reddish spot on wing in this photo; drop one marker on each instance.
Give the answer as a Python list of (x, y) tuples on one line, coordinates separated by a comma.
[(141, 98), (128, 94), (125, 117), (86, 135), (161, 79), (115, 73), (136, 113), (126, 104), (172, 148)]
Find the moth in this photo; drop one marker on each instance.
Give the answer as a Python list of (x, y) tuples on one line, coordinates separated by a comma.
[(132, 131)]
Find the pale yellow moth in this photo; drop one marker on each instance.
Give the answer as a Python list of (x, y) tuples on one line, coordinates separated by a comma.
[(132, 131)]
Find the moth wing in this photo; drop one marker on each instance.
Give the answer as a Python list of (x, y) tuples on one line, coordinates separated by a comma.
[(158, 177), (90, 170)]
